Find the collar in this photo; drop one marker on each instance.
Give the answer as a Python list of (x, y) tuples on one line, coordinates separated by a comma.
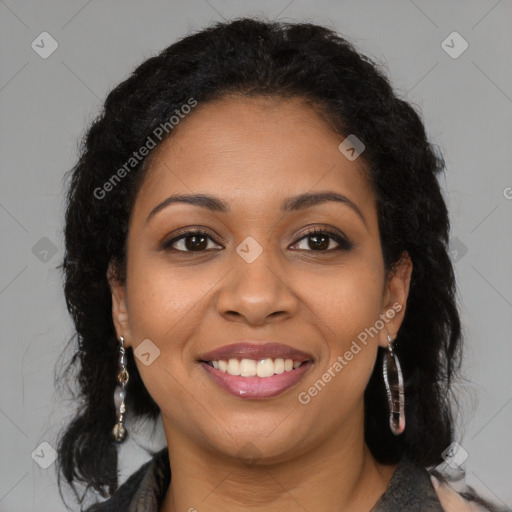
[(410, 489)]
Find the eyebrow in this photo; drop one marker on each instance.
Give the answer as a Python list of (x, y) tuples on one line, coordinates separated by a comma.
[(299, 202)]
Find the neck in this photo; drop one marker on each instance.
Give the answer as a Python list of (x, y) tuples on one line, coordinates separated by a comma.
[(338, 474)]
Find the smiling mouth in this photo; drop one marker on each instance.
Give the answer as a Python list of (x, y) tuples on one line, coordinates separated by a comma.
[(262, 368), (256, 380)]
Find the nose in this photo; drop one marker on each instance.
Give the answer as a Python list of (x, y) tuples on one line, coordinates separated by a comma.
[(256, 293)]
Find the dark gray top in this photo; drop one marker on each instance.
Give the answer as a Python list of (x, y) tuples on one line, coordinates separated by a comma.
[(410, 489)]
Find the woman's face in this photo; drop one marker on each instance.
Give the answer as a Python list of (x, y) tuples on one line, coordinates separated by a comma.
[(257, 275)]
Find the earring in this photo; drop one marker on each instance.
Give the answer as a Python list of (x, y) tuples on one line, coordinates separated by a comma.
[(119, 431), (394, 383)]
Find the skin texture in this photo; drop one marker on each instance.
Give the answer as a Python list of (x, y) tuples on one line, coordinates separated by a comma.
[(253, 153)]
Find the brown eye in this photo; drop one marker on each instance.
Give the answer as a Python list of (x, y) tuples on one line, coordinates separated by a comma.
[(190, 241), (321, 241)]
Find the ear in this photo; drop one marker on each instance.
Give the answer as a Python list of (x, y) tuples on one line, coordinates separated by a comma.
[(396, 292), (120, 315)]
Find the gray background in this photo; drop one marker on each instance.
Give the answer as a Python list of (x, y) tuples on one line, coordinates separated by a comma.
[(46, 105)]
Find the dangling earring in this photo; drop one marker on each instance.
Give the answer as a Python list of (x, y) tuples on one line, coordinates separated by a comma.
[(394, 383), (119, 431)]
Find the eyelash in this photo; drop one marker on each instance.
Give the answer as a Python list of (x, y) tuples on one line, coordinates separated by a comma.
[(343, 243)]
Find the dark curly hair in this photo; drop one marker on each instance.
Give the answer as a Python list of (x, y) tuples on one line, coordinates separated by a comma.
[(255, 57)]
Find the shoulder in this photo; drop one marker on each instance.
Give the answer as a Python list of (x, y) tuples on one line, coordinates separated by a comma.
[(146, 487), (454, 501), (123, 496), (414, 488)]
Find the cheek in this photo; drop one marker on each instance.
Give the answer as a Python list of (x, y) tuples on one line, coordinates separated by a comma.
[(166, 307), (164, 301), (346, 305), (345, 300), (344, 317)]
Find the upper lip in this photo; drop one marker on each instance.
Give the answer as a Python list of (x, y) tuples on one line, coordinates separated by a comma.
[(257, 351)]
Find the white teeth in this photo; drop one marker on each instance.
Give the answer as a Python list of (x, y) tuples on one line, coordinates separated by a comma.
[(279, 366), (233, 367), (251, 367), (247, 368), (265, 368)]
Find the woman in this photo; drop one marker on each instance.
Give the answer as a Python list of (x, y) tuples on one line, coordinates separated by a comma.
[(256, 250)]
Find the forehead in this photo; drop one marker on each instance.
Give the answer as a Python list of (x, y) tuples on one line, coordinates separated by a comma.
[(252, 151)]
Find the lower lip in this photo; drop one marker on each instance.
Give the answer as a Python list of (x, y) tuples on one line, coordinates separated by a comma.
[(257, 387)]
